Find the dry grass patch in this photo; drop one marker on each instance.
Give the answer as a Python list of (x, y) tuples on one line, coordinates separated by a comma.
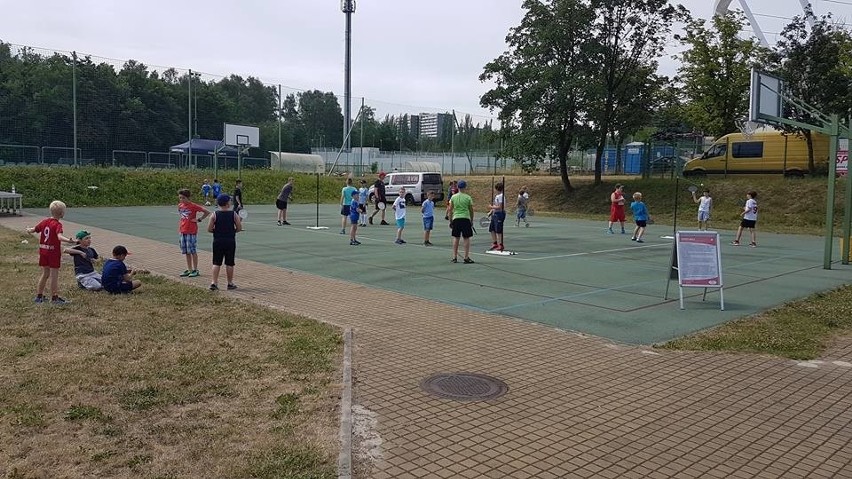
[(169, 382), (798, 330)]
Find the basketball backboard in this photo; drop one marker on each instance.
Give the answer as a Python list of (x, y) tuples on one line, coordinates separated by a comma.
[(240, 135), (765, 97)]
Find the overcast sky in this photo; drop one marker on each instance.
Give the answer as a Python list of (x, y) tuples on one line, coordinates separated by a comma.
[(407, 56)]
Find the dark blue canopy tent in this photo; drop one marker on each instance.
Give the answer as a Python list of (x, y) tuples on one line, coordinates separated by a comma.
[(201, 146)]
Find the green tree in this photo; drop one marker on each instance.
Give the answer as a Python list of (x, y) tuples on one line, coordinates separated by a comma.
[(715, 72), (321, 117), (628, 37), (541, 80), (814, 62)]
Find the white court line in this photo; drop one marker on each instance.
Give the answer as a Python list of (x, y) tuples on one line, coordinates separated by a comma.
[(587, 253)]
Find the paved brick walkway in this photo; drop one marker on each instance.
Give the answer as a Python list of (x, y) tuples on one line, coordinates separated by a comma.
[(577, 406)]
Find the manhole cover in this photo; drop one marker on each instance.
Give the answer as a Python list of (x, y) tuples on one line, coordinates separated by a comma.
[(464, 386)]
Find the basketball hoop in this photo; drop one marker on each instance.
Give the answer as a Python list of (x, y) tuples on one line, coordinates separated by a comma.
[(748, 128)]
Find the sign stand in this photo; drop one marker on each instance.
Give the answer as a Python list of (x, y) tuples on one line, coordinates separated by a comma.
[(697, 263)]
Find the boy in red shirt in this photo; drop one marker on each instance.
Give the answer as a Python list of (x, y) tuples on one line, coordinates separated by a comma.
[(188, 229), (50, 241)]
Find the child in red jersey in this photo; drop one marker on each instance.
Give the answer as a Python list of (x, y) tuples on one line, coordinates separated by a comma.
[(50, 241)]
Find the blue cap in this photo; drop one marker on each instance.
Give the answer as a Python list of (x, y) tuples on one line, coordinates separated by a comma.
[(223, 199), (462, 184), (354, 193)]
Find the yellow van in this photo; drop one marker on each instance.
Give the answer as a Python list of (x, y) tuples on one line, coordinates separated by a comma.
[(764, 152)]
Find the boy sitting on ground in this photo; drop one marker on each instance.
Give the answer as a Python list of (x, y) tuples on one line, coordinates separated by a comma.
[(117, 278), (84, 262)]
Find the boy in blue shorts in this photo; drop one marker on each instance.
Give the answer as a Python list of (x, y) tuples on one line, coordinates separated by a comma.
[(188, 229), (117, 278), (640, 216), (205, 192), (428, 211), (354, 213), (399, 212)]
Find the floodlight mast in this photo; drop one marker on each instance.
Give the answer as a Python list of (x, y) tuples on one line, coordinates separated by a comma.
[(348, 8), (721, 7)]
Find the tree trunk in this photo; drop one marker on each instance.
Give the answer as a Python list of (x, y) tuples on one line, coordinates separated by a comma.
[(564, 148), (810, 142), (598, 156)]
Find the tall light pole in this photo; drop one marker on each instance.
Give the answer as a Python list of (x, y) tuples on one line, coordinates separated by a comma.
[(348, 8)]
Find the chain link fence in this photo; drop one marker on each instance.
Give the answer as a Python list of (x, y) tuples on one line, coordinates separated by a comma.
[(66, 108)]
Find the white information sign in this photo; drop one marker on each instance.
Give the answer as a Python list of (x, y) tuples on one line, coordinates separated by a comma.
[(699, 262)]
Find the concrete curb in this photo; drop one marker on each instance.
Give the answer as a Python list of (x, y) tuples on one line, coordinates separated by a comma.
[(344, 458)]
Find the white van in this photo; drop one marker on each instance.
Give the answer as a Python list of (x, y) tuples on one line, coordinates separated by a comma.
[(417, 185)]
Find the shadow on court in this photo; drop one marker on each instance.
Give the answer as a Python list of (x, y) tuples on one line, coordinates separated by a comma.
[(567, 273)]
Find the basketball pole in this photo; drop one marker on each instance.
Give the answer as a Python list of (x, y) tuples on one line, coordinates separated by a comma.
[(503, 205)]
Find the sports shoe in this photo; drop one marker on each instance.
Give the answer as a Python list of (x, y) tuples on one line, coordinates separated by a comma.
[(735, 243), (343, 231), (185, 273), (427, 243), (633, 239), (500, 247), (402, 241), (279, 223), (38, 299), (213, 287), (753, 244), (285, 223), (194, 273), (468, 261), (609, 232), (232, 286), (354, 243), (454, 260), (371, 220), (493, 247), (640, 240), (59, 301), (384, 223), (623, 232)]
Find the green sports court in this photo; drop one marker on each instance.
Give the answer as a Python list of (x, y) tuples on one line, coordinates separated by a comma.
[(567, 273)]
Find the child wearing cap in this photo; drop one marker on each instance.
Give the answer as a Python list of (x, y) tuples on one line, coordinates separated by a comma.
[(460, 211), (117, 278), (380, 196), (188, 229), (49, 254), (84, 262), (224, 224), (354, 213)]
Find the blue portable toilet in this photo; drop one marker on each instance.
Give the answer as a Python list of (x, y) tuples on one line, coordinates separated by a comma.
[(633, 153), (608, 161)]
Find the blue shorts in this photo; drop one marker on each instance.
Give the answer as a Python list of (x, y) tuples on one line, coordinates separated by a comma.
[(400, 223), (496, 225), (354, 215), (703, 216), (187, 243), (428, 222)]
